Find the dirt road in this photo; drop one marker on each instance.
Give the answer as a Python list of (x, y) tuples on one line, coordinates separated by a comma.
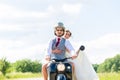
[(30, 79)]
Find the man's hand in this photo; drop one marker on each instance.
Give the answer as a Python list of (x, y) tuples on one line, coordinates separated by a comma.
[(74, 56), (58, 51)]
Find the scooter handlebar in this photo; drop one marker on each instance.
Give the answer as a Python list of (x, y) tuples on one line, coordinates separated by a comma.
[(61, 60)]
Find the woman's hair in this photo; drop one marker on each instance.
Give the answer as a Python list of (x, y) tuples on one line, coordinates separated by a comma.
[(69, 32)]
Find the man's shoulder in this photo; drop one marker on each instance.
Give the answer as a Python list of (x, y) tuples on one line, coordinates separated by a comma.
[(53, 39), (50, 40)]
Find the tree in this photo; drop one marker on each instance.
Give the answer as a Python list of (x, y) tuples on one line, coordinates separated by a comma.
[(110, 65), (116, 65), (95, 66), (4, 65), (36, 66), (27, 65)]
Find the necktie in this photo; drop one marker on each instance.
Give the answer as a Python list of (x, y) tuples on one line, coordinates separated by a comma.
[(58, 41)]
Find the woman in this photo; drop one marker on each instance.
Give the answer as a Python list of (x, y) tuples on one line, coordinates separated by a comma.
[(83, 68)]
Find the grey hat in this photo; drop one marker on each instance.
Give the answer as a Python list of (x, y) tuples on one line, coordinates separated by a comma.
[(60, 24)]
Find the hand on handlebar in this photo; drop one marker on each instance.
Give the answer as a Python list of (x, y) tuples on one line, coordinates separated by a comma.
[(47, 58), (74, 56)]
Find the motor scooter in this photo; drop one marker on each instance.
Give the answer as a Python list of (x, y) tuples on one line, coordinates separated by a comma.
[(61, 69)]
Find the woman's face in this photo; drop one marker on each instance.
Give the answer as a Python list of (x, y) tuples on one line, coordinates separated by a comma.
[(67, 35)]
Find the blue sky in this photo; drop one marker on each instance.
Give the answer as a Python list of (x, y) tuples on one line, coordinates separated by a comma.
[(26, 26)]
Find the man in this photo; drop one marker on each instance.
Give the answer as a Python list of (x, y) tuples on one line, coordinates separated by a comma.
[(57, 48)]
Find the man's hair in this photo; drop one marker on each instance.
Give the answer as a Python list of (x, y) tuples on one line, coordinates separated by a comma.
[(60, 25)]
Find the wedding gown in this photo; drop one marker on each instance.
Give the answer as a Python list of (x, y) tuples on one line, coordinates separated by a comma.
[(83, 68)]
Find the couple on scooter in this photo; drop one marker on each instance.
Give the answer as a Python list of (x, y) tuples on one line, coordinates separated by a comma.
[(57, 49)]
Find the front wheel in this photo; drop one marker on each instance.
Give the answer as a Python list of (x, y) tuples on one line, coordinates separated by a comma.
[(61, 77)]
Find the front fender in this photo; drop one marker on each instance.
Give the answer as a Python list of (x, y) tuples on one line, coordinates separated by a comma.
[(61, 77)]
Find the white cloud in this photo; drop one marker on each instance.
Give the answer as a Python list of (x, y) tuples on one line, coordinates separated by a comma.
[(15, 50), (104, 47), (7, 11), (106, 40), (72, 8), (10, 27)]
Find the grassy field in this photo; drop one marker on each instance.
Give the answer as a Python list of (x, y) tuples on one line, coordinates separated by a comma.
[(109, 76), (12, 76)]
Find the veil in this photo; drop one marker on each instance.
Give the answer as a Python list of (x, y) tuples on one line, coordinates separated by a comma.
[(83, 68)]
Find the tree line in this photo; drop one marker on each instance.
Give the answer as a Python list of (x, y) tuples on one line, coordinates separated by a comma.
[(26, 65), (109, 65)]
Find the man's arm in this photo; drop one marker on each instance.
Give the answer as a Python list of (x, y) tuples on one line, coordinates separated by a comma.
[(49, 49)]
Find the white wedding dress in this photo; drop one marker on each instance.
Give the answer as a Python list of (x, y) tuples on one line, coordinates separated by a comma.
[(83, 68)]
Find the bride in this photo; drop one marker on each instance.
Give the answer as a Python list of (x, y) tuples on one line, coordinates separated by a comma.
[(83, 68)]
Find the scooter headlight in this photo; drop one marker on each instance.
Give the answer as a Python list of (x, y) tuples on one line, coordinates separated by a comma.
[(60, 67)]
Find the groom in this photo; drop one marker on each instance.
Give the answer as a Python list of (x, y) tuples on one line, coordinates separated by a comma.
[(58, 51)]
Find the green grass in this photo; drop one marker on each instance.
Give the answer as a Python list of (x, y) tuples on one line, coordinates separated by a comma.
[(13, 76), (109, 76), (23, 75), (2, 76)]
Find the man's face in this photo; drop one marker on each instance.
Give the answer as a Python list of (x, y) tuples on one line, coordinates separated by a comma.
[(59, 32)]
